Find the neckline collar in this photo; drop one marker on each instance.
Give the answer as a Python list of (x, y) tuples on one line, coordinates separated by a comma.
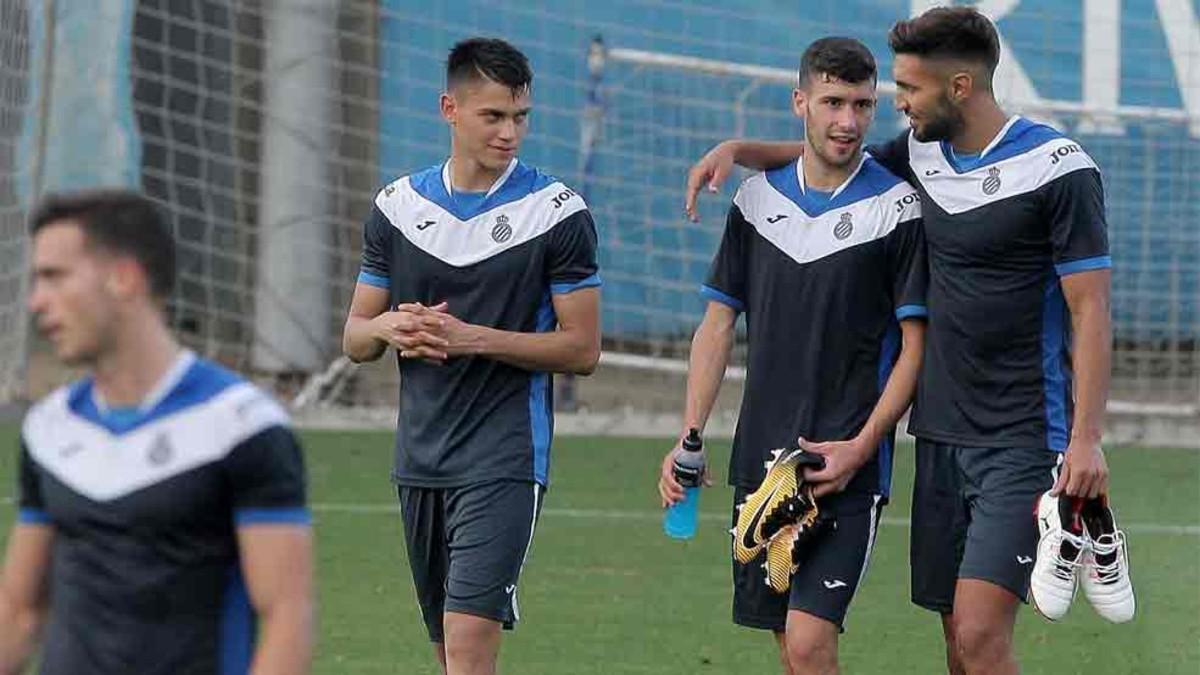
[(183, 361), (449, 184), (837, 191)]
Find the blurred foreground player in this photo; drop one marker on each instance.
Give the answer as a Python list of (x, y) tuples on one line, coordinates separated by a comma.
[(162, 498)]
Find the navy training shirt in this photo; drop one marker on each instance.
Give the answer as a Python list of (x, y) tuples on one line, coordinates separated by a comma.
[(1002, 228), (823, 281), (146, 575), (497, 261)]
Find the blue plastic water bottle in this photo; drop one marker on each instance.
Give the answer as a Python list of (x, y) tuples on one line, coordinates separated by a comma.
[(680, 520)]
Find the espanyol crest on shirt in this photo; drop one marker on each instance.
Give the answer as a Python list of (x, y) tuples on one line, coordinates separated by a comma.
[(502, 232), (844, 228), (991, 184)]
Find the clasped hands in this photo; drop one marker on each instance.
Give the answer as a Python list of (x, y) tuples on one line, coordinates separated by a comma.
[(429, 333)]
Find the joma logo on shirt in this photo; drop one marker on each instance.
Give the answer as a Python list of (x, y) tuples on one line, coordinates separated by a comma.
[(906, 200), (562, 197), (1063, 152)]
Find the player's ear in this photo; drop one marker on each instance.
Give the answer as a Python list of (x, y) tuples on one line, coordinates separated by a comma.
[(449, 108), (962, 85), (799, 102), (125, 278)]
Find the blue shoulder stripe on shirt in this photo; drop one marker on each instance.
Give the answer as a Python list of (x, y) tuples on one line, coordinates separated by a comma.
[(522, 182), (1022, 137), (889, 350), (28, 516), (237, 626), (571, 286), (1055, 382), (365, 277), (541, 410), (297, 515), (908, 311), (201, 382), (872, 180), (1100, 262), (709, 293)]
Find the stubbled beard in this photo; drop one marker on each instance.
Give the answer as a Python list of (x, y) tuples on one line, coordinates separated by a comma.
[(942, 126), (825, 157)]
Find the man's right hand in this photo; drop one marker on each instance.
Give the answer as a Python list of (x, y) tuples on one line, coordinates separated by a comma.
[(715, 167), (709, 173), (414, 331), (669, 489)]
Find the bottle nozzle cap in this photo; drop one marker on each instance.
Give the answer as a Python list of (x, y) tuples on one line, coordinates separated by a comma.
[(692, 441)]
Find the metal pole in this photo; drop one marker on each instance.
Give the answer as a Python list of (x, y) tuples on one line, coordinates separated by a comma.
[(44, 97), (739, 108), (292, 297), (20, 385), (590, 128)]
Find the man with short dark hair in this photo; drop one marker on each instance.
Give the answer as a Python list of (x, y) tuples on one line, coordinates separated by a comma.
[(825, 256), (1016, 364), (162, 497), (481, 273)]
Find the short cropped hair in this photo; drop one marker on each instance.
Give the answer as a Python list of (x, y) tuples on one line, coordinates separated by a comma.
[(121, 222), (491, 59), (843, 58), (948, 32)]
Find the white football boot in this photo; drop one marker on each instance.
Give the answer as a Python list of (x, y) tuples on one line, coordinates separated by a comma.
[(1105, 577), (1060, 554)]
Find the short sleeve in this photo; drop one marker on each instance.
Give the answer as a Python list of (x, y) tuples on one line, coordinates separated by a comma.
[(893, 155), (726, 282), (1074, 208), (31, 507), (376, 251), (266, 478), (571, 260), (909, 269)]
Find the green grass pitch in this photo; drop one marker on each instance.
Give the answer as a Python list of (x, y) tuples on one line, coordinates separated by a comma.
[(604, 592)]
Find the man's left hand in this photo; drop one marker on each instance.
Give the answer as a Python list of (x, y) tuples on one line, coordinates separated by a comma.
[(1084, 472), (842, 460), (462, 338)]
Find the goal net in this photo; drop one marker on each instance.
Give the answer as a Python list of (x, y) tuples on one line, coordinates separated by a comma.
[(264, 128)]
